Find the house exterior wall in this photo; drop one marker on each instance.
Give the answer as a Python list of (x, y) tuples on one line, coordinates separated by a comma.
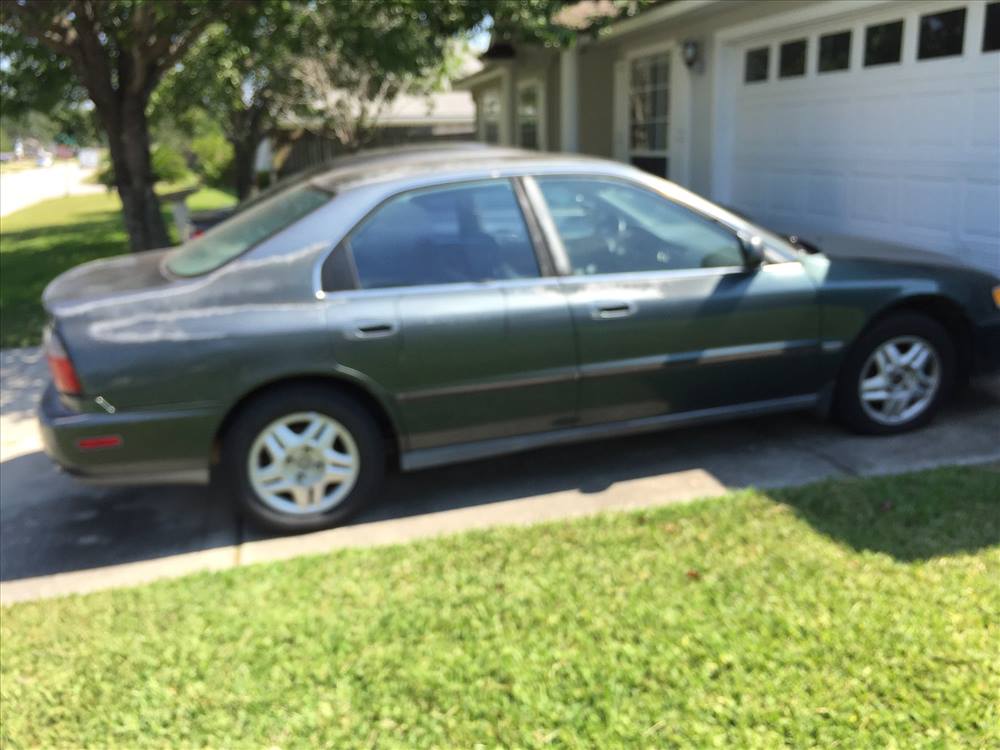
[(530, 65), (543, 66), (596, 60), (908, 151), (595, 93), (596, 117)]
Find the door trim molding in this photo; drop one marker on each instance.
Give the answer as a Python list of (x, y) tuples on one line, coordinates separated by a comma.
[(541, 377), (719, 355), (452, 454)]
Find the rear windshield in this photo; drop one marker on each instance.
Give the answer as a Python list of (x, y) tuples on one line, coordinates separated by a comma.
[(236, 235)]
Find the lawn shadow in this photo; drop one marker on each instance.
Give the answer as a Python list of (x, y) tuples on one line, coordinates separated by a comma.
[(31, 258), (51, 524), (912, 518)]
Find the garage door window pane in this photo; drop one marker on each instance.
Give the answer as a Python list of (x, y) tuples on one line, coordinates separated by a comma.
[(610, 227), (991, 29), (756, 65), (941, 34), (466, 233), (883, 43), (792, 60), (835, 52)]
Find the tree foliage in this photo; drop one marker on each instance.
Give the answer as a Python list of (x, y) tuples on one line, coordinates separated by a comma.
[(116, 51), (250, 61), (244, 62), (353, 78)]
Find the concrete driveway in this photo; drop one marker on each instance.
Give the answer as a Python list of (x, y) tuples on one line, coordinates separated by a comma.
[(54, 532)]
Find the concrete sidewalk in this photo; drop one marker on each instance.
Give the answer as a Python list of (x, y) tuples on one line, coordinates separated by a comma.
[(22, 189), (58, 537)]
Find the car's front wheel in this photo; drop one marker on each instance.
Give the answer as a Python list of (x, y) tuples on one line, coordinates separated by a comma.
[(302, 459), (896, 375)]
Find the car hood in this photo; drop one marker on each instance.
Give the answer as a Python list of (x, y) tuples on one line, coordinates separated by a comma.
[(864, 269), (101, 279), (846, 247)]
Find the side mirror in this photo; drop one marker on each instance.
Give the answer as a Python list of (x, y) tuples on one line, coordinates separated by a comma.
[(753, 251)]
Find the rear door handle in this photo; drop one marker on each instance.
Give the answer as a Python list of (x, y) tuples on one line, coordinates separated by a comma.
[(610, 310), (374, 330)]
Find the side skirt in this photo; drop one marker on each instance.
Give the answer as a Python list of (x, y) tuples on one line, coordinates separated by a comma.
[(453, 454)]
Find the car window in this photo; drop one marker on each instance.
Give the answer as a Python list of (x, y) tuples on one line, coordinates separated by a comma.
[(231, 238), (608, 226), (461, 233)]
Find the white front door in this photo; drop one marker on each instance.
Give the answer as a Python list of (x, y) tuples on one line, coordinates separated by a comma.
[(882, 123)]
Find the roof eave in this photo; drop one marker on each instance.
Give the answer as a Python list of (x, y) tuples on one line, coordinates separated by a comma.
[(651, 16), (495, 69)]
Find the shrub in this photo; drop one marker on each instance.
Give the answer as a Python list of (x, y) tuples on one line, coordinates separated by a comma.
[(214, 157), (168, 166), (106, 173)]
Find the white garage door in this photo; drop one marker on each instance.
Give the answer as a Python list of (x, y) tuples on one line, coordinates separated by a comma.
[(883, 123)]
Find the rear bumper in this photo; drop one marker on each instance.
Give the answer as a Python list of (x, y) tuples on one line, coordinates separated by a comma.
[(986, 348), (158, 446)]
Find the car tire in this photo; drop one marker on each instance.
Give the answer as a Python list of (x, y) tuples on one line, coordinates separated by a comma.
[(917, 378), (276, 459)]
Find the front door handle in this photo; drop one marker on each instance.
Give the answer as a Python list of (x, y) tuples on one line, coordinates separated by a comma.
[(610, 310), (374, 330)]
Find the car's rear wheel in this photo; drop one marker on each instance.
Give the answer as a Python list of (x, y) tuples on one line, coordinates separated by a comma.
[(896, 375), (302, 459)]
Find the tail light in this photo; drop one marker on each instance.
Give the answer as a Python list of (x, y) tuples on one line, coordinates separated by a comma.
[(63, 373)]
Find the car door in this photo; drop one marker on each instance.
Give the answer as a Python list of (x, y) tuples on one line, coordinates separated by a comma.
[(669, 318), (457, 318)]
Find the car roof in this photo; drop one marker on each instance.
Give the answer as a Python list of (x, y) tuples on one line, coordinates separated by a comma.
[(389, 164), (362, 160)]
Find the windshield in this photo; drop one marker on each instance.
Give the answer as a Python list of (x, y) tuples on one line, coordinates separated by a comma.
[(233, 237)]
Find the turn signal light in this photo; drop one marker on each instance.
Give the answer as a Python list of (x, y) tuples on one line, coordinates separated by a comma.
[(63, 373), (996, 296)]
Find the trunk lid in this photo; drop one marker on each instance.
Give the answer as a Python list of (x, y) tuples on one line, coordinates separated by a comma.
[(105, 279)]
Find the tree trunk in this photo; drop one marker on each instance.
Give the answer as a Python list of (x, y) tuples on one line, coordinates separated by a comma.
[(245, 136), (243, 158), (128, 141)]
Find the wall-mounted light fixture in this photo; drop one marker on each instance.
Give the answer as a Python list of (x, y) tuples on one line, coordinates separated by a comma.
[(691, 50)]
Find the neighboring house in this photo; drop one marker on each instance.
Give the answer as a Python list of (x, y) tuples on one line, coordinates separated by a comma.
[(877, 118), (446, 115)]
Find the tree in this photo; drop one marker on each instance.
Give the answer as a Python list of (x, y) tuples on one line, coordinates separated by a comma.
[(251, 60), (359, 63), (332, 63), (353, 78), (114, 52)]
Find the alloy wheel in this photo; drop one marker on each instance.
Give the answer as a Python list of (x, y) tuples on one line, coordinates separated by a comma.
[(899, 380), (303, 463)]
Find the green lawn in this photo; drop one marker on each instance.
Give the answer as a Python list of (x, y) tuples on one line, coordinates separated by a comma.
[(845, 614), (40, 242)]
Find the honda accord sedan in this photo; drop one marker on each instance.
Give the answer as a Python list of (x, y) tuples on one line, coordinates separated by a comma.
[(455, 305)]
